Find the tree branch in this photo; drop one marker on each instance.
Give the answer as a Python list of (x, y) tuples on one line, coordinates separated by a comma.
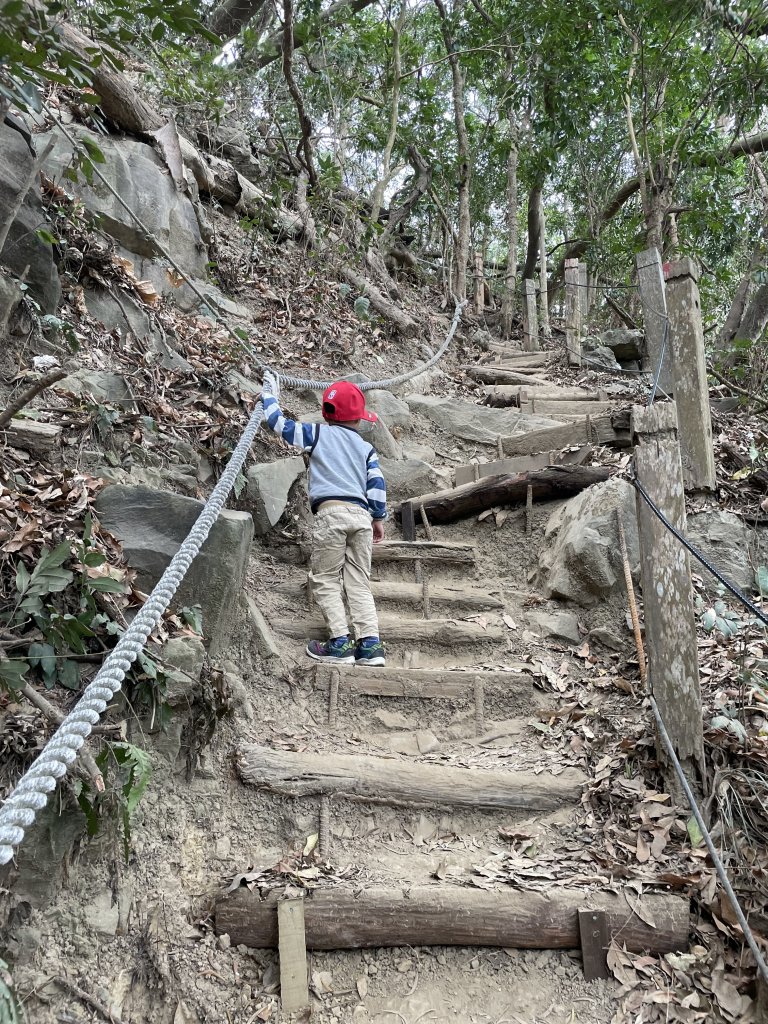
[(45, 382)]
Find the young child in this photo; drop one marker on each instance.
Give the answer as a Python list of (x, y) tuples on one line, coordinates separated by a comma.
[(348, 497)]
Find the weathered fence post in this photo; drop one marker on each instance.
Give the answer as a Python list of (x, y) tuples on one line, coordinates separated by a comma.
[(294, 991), (572, 313), (670, 627), (689, 370), (530, 322), (653, 299), (543, 294), (583, 292)]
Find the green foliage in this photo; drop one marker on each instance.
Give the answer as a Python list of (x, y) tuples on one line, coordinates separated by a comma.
[(126, 770), (9, 1007)]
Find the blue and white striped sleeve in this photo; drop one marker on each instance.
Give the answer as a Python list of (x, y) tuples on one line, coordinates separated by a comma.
[(376, 489), (300, 435)]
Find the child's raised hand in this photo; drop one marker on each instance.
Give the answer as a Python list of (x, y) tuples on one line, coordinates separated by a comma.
[(272, 383)]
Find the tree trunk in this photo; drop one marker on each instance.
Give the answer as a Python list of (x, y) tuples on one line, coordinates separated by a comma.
[(231, 16), (305, 125), (462, 141), (755, 318), (381, 184), (419, 187), (510, 275), (543, 295), (534, 230)]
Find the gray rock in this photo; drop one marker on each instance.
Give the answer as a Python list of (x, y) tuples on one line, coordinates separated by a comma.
[(23, 247), (580, 559), (103, 388), (625, 344), (560, 625), (394, 411), (608, 639), (183, 658), (102, 915), (422, 382), (239, 697), (410, 477), (382, 440), (596, 357), (152, 524), (476, 422), (391, 719), (129, 316), (181, 478), (10, 297), (140, 177), (268, 488), (729, 543)]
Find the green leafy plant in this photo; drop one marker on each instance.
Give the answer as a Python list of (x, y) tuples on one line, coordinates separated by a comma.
[(126, 770)]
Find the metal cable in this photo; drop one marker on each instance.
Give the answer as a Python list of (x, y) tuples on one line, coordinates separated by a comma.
[(287, 379), (719, 866), (657, 375), (31, 793), (737, 593)]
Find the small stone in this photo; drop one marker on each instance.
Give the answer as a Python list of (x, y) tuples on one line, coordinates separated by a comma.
[(404, 966), (441, 959), (427, 741), (224, 941), (373, 969), (561, 972), (222, 848), (391, 719), (474, 964)]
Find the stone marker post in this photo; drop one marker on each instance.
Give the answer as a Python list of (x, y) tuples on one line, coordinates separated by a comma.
[(572, 313), (530, 321), (583, 292), (653, 298), (670, 626), (689, 369), (543, 294)]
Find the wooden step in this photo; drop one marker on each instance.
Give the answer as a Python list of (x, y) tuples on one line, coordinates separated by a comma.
[(444, 914), (398, 630), (490, 374), (396, 781), (427, 683), (500, 395), (413, 593), (426, 550), (556, 407), (611, 429), (522, 464)]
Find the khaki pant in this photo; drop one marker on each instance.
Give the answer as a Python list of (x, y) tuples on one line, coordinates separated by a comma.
[(342, 544)]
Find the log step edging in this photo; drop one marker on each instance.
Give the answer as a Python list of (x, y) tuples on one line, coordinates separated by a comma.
[(446, 915), (398, 630), (399, 782), (426, 683)]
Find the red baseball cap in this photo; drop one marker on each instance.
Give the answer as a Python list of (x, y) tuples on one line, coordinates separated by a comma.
[(344, 401)]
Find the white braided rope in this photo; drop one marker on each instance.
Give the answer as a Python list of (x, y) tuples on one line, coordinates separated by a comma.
[(31, 794)]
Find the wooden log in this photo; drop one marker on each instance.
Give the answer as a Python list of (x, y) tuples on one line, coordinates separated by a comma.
[(427, 684), (610, 430), (523, 359), (410, 593), (691, 390), (508, 489), (670, 623), (502, 375), (386, 307), (32, 436), (556, 407), (500, 395), (394, 781), (446, 915), (427, 551), (398, 630), (522, 464)]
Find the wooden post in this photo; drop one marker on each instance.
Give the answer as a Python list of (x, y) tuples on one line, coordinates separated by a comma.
[(530, 321), (543, 294), (572, 313), (670, 626), (593, 932), (583, 292), (689, 369), (294, 992), (653, 298)]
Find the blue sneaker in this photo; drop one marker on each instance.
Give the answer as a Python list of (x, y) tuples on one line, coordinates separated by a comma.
[(339, 650), (370, 651)]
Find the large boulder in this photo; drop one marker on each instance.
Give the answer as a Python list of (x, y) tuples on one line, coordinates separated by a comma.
[(269, 485), (408, 478), (23, 247), (581, 559), (151, 526), (140, 177), (598, 357), (729, 544), (394, 411), (126, 315), (627, 345), (103, 387), (476, 422)]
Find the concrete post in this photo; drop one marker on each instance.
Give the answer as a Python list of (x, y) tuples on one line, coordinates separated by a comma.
[(543, 294), (670, 626), (572, 313), (653, 298), (530, 322), (689, 368), (583, 292)]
